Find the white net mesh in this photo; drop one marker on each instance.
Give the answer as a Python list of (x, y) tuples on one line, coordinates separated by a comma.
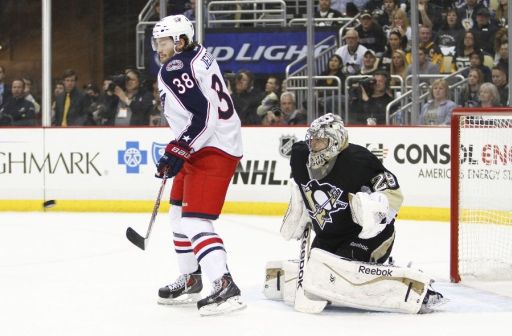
[(485, 197)]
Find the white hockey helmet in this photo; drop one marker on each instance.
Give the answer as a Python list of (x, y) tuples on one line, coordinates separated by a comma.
[(174, 26), (330, 127)]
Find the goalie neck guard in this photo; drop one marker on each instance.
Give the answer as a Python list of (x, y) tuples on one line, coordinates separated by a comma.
[(330, 127), (174, 26)]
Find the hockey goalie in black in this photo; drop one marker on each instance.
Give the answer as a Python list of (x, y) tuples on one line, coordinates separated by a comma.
[(335, 176), (351, 200)]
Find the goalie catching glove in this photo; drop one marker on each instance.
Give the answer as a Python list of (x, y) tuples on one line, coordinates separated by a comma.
[(370, 211), (296, 217), (176, 153)]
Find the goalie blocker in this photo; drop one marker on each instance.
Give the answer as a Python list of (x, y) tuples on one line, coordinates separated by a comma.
[(346, 283)]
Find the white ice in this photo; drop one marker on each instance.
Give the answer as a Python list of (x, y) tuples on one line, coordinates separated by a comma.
[(76, 274)]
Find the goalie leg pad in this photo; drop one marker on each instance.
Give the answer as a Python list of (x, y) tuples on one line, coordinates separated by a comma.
[(280, 280), (364, 285)]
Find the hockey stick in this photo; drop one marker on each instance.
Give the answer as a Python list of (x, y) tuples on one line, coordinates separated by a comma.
[(302, 303), (136, 238)]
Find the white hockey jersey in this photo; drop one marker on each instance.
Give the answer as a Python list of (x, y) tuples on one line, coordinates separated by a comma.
[(197, 104)]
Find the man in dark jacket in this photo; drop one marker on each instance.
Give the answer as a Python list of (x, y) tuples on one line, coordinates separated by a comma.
[(17, 111), (70, 105)]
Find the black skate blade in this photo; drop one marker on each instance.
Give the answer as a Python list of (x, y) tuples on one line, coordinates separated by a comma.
[(136, 238)]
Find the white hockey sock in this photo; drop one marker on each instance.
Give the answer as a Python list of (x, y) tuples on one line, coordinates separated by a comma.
[(187, 262), (207, 245)]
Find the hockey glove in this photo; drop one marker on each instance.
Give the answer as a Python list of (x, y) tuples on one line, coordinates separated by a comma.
[(176, 153)]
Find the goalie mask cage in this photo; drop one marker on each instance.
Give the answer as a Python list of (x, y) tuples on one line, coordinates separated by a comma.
[(481, 194)]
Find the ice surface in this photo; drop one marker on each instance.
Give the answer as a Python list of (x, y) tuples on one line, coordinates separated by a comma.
[(76, 274)]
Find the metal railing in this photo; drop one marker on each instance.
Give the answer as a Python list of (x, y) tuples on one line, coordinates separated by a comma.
[(319, 21), (402, 115), (323, 51), (327, 98), (256, 12), (145, 14)]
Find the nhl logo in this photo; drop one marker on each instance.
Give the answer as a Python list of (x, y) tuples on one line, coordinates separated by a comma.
[(285, 145)]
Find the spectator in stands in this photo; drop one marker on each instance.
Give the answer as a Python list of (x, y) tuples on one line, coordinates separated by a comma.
[(500, 79), (69, 106), (324, 11), (369, 107), (501, 15), (489, 95), (425, 66), (287, 113), (135, 102), (469, 95), (57, 90), (91, 103), (389, 7), (438, 110), (500, 38), (430, 15), (426, 42), (395, 42), (485, 30), (449, 34), (334, 68), (17, 111), (246, 98), (5, 91), (271, 99), (398, 67), (370, 63), (401, 24), (105, 112), (466, 47), (28, 94), (351, 53), (476, 60), (467, 13), (502, 56), (330, 98), (371, 34)]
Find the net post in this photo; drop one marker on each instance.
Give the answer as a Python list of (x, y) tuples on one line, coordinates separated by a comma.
[(454, 197)]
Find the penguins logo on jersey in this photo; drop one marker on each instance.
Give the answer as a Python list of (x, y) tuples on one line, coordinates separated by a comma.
[(322, 200)]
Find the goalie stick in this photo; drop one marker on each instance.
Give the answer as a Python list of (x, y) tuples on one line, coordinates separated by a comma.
[(136, 238), (303, 303)]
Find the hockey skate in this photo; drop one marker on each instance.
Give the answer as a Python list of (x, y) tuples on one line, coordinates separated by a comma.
[(431, 301), (186, 289), (224, 299)]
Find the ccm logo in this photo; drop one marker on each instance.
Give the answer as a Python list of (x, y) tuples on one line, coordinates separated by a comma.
[(375, 271), (181, 152)]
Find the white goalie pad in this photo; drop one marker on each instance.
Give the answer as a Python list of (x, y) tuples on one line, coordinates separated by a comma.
[(296, 217), (363, 285), (368, 210), (280, 280), (281, 285)]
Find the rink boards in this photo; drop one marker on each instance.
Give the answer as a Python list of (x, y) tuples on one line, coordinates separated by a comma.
[(111, 169)]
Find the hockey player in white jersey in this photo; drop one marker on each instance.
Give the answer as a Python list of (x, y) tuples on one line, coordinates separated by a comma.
[(202, 156)]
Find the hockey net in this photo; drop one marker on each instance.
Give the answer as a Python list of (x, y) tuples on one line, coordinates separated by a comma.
[(481, 194)]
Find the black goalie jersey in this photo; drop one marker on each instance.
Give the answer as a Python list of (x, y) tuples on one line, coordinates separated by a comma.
[(356, 169)]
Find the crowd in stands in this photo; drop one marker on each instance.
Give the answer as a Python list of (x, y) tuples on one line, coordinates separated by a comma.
[(469, 36)]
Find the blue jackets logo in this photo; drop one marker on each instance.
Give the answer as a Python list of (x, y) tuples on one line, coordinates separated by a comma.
[(132, 157)]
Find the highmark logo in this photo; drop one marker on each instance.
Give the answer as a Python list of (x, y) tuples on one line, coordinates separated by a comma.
[(132, 157)]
